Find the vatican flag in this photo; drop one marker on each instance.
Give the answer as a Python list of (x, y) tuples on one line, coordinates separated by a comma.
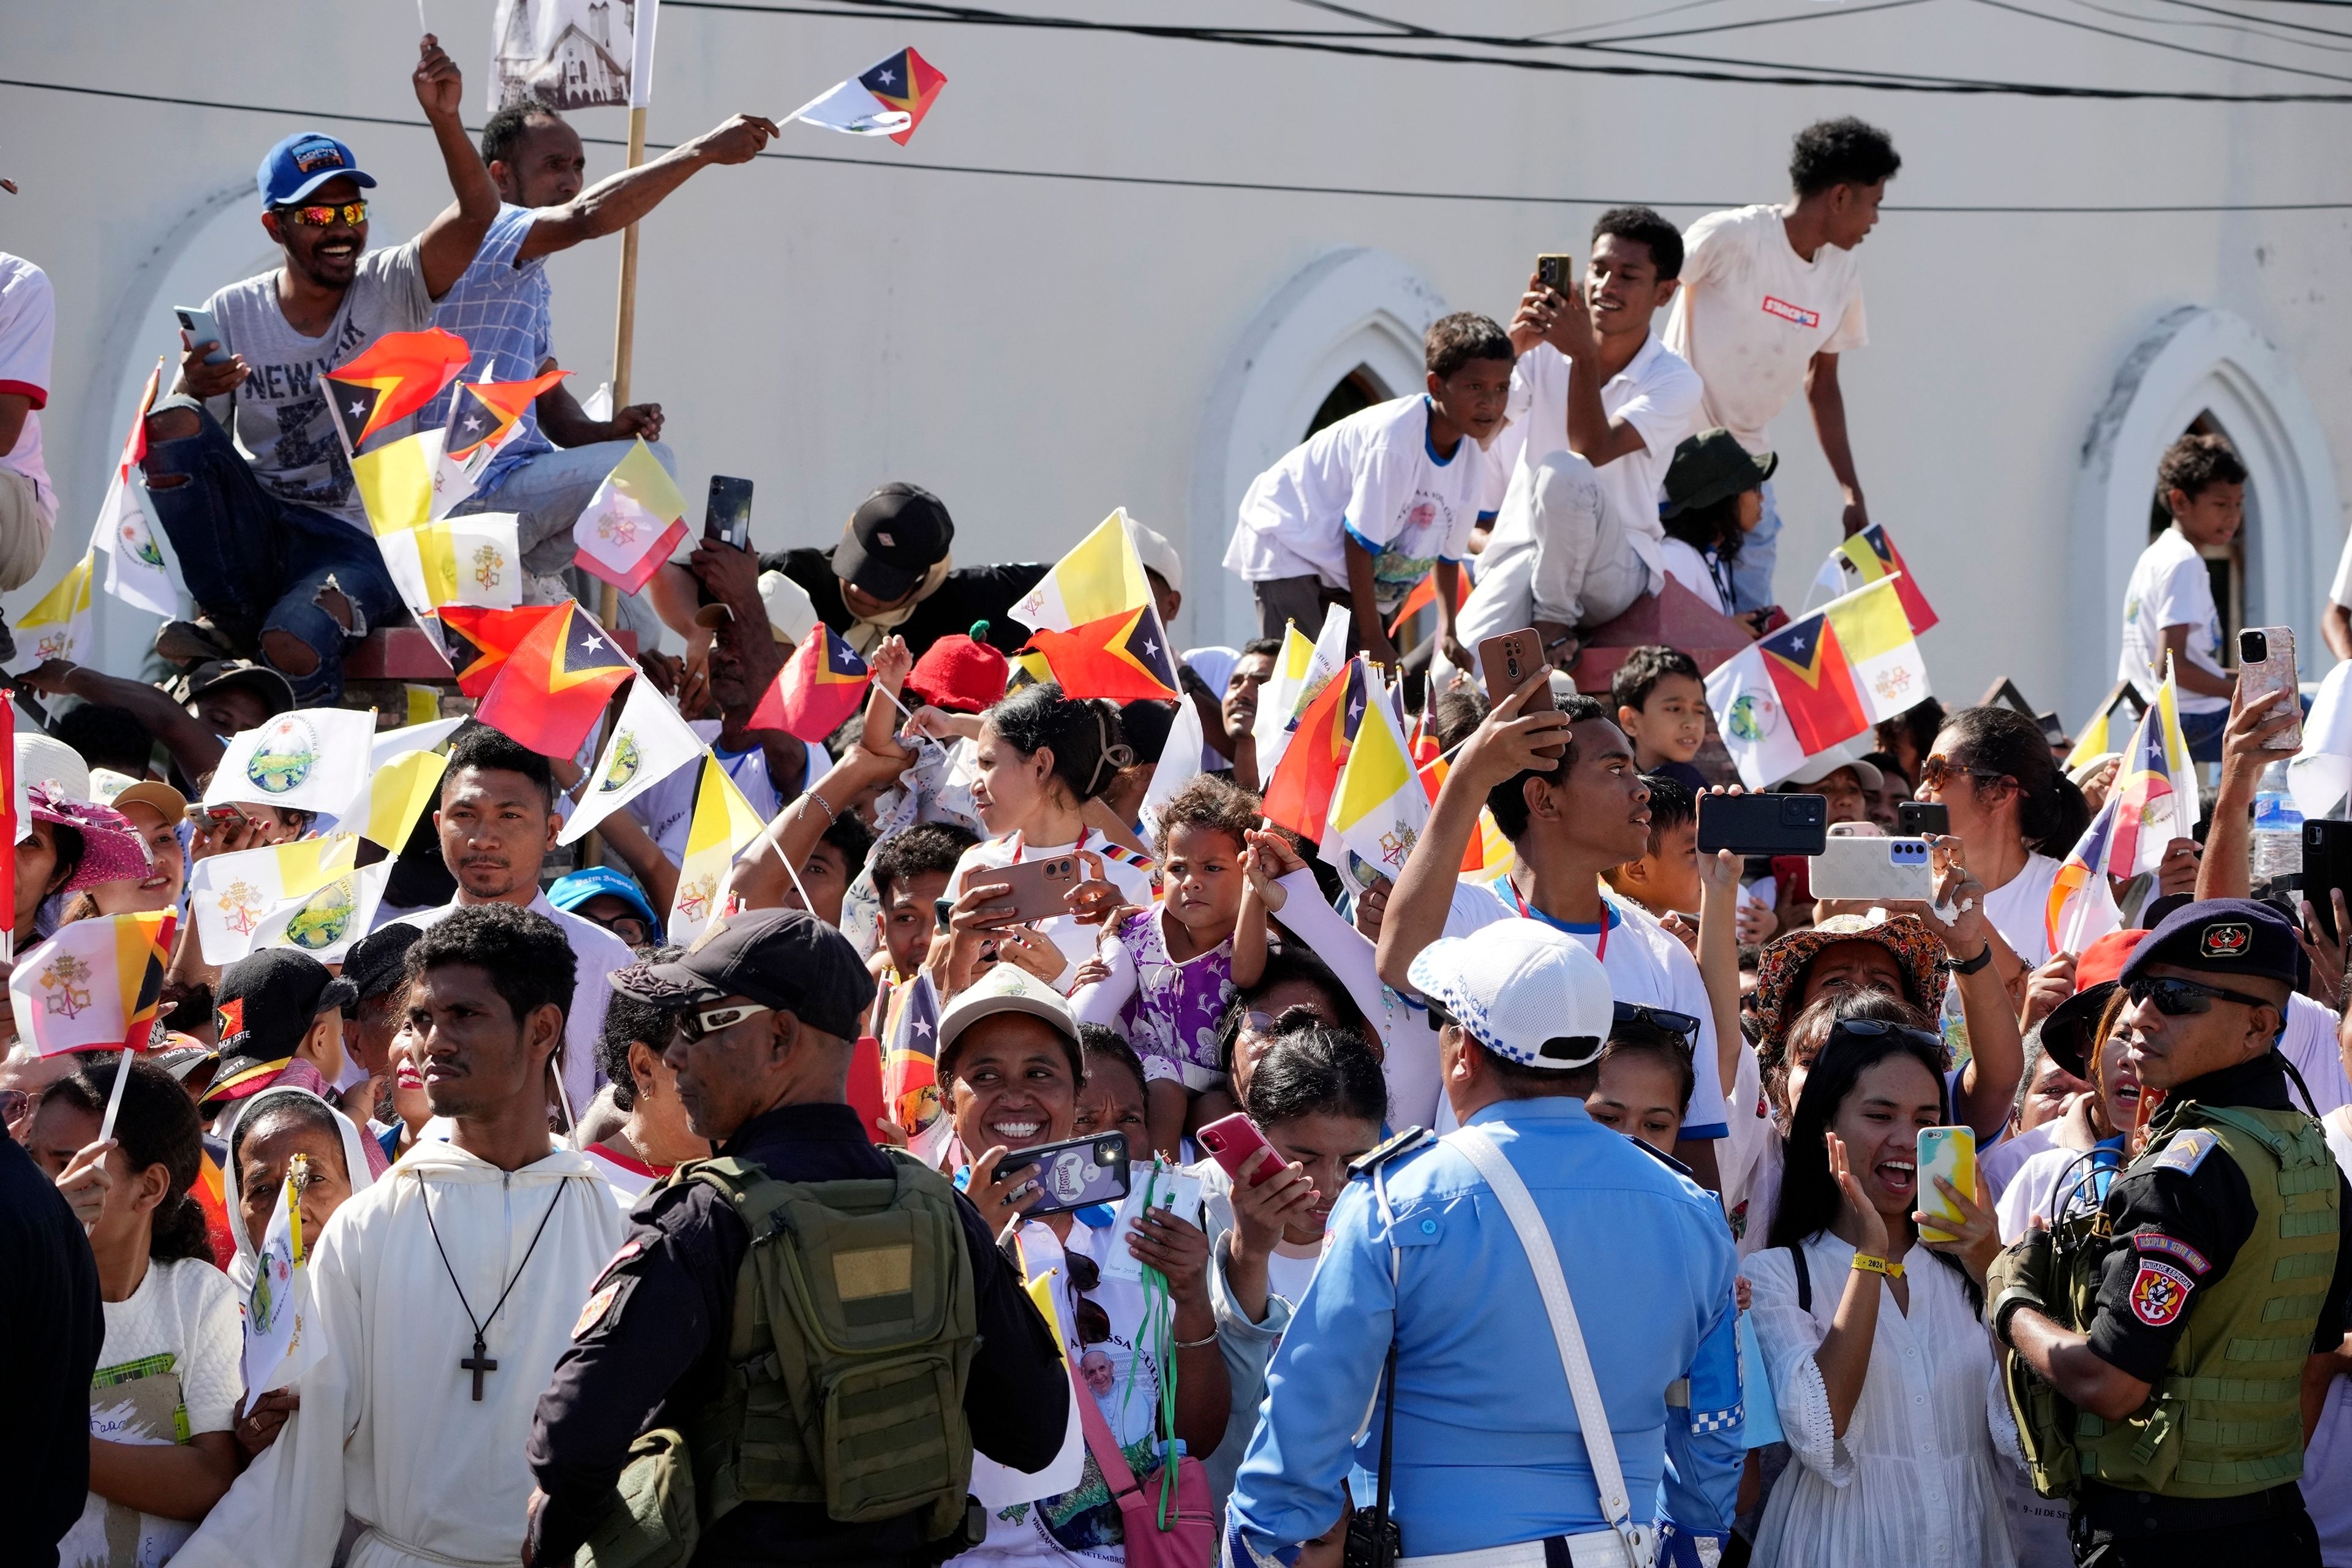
[(723, 822)]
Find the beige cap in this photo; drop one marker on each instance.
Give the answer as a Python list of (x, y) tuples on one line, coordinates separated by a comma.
[(791, 613), (1007, 988), (119, 790)]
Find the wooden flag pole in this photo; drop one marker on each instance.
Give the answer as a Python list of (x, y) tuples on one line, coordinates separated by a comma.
[(608, 601)]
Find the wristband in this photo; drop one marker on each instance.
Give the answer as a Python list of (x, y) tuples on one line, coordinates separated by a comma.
[(1970, 966), (831, 816), (1864, 1263)]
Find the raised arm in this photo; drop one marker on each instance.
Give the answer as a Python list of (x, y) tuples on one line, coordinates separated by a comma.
[(616, 200), (447, 245), (763, 875), (190, 739), (1718, 954), (2226, 869)]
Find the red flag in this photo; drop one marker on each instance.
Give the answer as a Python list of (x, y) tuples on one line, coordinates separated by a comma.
[(555, 684), (1123, 657), (482, 411), (481, 640), (909, 81), (1424, 595), (821, 685), (1815, 684), (391, 379), (1298, 797)]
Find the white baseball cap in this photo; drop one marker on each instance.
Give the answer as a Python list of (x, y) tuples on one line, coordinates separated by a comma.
[(1158, 554), (1527, 992), (1007, 988)]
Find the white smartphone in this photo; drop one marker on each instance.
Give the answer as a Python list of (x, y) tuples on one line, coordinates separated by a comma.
[(198, 323), (1877, 869), (2266, 664), (1949, 1152)]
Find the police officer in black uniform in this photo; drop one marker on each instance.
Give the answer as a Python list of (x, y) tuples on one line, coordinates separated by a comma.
[(2174, 1322), (768, 1011)]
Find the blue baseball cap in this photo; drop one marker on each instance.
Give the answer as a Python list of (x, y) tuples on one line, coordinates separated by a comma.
[(301, 163), (569, 892)]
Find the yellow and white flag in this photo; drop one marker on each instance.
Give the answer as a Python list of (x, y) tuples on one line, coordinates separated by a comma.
[(723, 822), (632, 523), (309, 759), (1379, 808), (1102, 576), (327, 920), (57, 627), (1278, 697), (135, 570), (472, 559), (231, 897), (281, 1331), (649, 743), (406, 792), (2176, 746), (1889, 672)]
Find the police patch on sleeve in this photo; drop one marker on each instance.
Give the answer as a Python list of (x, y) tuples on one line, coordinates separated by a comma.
[(2185, 1152), (2153, 1241), (592, 1314), (2159, 1293)]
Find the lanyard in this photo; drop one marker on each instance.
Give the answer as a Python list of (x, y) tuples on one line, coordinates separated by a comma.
[(1600, 949)]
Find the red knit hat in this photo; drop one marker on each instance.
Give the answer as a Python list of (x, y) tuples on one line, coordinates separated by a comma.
[(959, 673)]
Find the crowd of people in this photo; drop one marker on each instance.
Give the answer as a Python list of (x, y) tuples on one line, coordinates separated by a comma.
[(1241, 1200)]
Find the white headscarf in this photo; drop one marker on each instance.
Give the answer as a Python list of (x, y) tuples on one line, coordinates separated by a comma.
[(355, 1161)]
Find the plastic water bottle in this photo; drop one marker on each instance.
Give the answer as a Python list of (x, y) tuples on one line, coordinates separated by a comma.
[(2278, 828)]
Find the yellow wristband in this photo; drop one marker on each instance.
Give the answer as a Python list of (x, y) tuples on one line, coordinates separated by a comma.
[(1866, 1264)]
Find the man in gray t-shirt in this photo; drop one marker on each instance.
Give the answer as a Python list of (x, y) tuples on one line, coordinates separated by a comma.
[(243, 468)]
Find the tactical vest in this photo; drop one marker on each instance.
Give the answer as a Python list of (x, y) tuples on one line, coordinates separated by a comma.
[(2225, 1419), (854, 1329)]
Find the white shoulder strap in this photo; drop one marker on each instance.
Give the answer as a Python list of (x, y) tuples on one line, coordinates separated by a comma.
[(1599, 1443)]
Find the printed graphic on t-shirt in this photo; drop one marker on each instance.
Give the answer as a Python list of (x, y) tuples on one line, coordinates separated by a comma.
[(1422, 527), (1797, 314), (137, 1402)]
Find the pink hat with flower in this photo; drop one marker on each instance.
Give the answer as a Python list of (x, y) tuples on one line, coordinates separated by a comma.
[(111, 850)]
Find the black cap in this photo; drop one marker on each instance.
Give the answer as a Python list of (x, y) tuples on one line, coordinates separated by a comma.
[(276, 693), (266, 1003), (379, 961), (1710, 467), (787, 959), (900, 532), (2225, 937)]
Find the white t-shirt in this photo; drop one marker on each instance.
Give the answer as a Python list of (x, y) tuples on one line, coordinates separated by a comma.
[(1657, 394), (1644, 962), (2020, 910), (1685, 564), (2309, 1041), (28, 325), (666, 810), (1752, 313), (1372, 478), (2328, 1458), (171, 1369), (1122, 869), (2170, 587)]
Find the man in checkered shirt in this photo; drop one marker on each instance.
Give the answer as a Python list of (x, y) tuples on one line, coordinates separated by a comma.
[(549, 466)]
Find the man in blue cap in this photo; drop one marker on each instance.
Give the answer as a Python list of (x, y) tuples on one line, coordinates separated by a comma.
[(2157, 1353), (611, 899), (244, 466), (1541, 1306)]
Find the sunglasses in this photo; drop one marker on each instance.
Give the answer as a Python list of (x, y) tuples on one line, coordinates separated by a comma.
[(694, 1025), (1936, 772), (1299, 1015), (2178, 999), (1681, 1024), (352, 214), (1872, 1029)]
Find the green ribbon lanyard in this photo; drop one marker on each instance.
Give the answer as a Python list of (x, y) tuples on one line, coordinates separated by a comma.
[(1158, 1332)]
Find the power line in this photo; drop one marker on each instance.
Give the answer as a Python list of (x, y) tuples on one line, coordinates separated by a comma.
[(1255, 186), (2159, 43), (2258, 21), (1767, 73), (2244, 26)]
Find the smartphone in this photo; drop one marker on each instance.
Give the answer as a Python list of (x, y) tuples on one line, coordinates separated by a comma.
[(1556, 273), (1856, 830), (1763, 824), (1879, 870), (1236, 1143), (1077, 1174), (1507, 662), (1914, 817), (727, 517), (942, 909), (198, 323), (1949, 1152), (2326, 866), (1039, 889), (2266, 664)]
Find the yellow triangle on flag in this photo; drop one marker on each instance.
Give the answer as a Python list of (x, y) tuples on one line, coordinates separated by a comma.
[(403, 789), (68, 597), (723, 822), (2176, 744), (1041, 1292), (395, 484)]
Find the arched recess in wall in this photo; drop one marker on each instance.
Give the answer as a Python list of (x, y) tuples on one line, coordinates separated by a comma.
[(1351, 312), (216, 240), (2200, 361)]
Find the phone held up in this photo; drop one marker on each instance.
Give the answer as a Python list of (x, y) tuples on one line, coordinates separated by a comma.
[(1236, 1144), (727, 516), (2266, 664), (1075, 1174), (1556, 273), (1763, 824), (1507, 662), (1949, 1152), (1915, 819)]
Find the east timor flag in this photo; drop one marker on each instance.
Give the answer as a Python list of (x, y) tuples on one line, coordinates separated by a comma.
[(479, 640), (482, 412), (1816, 687), (1123, 657), (1298, 797), (907, 82), (821, 685), (556, 683), (391, 379)]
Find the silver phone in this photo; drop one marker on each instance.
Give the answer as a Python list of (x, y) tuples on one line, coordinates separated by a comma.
[(198, 323), (2266, 664), (1876, 870)]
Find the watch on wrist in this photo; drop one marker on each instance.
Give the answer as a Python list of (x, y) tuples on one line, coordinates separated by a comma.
[(1970, 966)]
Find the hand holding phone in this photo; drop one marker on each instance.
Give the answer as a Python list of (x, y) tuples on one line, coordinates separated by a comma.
[(1918, 818), (1075, 1174), (1507, 662), (198, 323), (1040, 890), (1949, 1152), (727, 516), (2266, 664), (1236, 1144), (1763, 824), (1556, 273)]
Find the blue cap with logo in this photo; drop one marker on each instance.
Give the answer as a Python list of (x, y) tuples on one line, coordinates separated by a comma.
[(577, 888), (301, 163)]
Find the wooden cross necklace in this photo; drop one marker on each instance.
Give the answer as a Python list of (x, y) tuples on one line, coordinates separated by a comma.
[(480, 1361)]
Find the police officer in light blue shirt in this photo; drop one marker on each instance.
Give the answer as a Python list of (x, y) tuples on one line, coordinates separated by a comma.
[(1491, 1468)]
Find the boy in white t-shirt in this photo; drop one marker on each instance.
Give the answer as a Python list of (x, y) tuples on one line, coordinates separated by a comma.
[(1772, 297), (1597, 404), (29, 508), (1362, 509), (2168, 605)]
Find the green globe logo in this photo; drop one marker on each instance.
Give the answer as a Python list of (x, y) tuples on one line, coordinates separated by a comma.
[(288, 750), (1753, 716), (626, 761), (325, 918)]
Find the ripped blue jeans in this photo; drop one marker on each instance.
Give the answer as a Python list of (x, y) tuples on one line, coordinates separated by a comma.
[(256, 563)]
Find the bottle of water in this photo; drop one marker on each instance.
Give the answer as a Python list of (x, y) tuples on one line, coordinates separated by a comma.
[(2278, 830)]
